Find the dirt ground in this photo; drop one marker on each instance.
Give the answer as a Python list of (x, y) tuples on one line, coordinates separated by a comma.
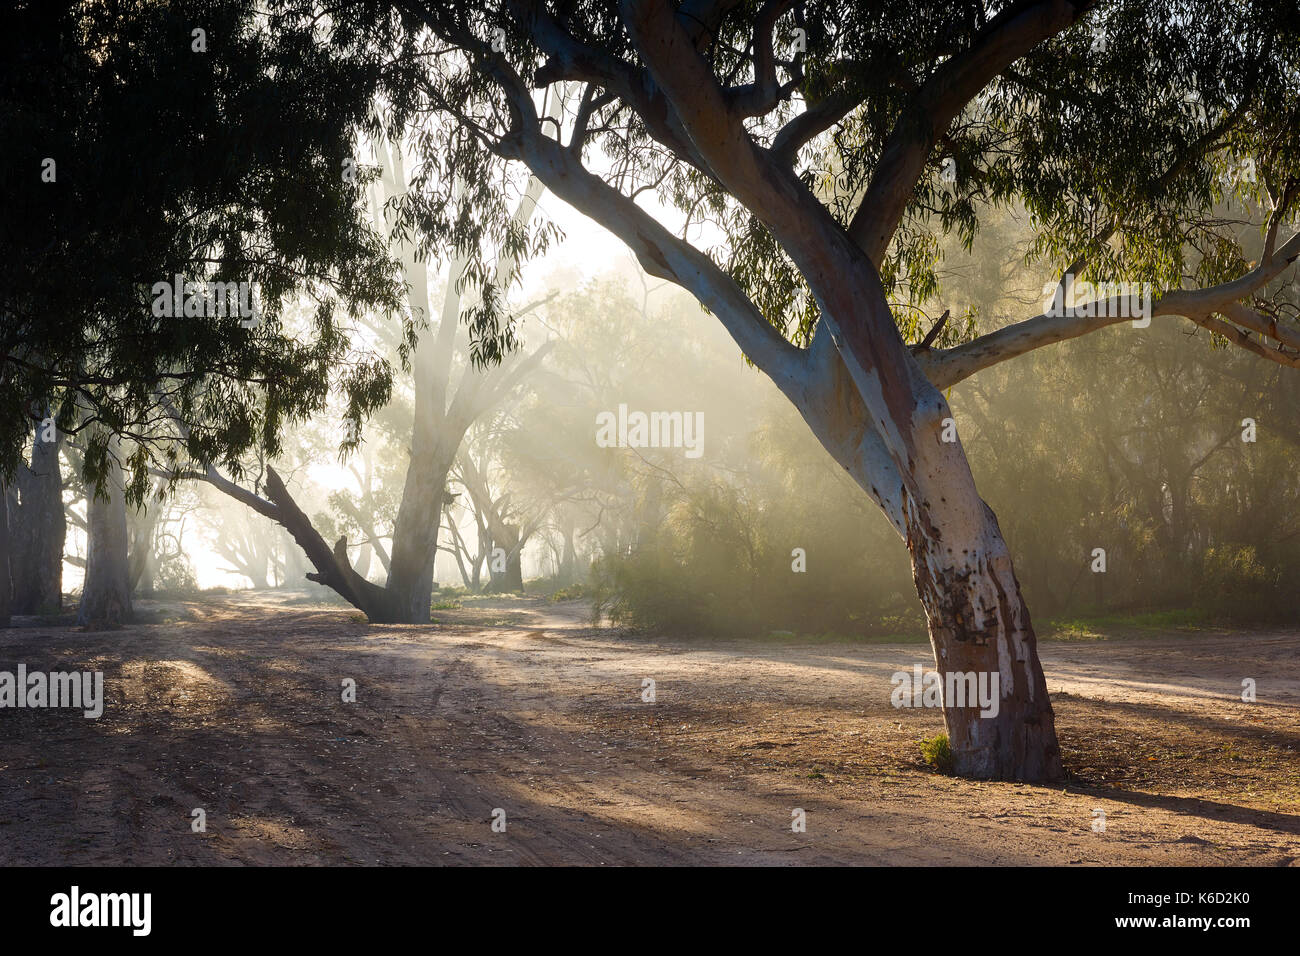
[(235, 707)]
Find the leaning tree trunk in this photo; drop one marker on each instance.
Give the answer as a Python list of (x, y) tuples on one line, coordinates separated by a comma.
[(962, 568), (106, 595), (979, 625), (38, 531), (978, 621)]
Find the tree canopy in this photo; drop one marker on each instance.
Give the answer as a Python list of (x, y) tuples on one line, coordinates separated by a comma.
[(202, 140), (1138, 135)]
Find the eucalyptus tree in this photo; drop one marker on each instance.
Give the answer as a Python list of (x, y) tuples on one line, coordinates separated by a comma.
[(451, 384), (196, 147), (830, 143)]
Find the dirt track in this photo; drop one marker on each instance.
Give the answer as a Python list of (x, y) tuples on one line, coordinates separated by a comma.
[(523, 707)]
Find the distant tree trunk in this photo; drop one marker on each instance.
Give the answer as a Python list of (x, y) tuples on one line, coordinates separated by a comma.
[(295, 569), (6, 586), (106, 596), (459, 550), (438, 428), (569, 556), (37, 531), (364, 554), (143, 572), (257, 573), (476, 577), (143, 563), (506, 537)]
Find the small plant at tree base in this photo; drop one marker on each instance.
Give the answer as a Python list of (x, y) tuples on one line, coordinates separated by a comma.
[(937, 753)]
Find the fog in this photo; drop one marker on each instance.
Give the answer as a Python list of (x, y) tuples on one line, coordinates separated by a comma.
[(1136, 441)]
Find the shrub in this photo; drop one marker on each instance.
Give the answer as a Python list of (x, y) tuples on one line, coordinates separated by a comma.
[(937, 753)]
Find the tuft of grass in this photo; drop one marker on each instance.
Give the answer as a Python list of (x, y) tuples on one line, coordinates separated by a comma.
[(1099, 627), (445, 606), (937, 753), (1073, 630)]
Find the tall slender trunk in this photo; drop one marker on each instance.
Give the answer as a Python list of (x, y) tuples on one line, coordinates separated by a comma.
[(6, 586), (106, 595), (415, 533), (38, 531), (568, 556), (142, 561)]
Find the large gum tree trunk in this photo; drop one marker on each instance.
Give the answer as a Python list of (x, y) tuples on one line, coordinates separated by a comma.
[(962, 568), (858, 385), (979, 625), (106, 596)]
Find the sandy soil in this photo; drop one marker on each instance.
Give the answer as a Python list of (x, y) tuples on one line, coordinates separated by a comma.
[(236, 708)]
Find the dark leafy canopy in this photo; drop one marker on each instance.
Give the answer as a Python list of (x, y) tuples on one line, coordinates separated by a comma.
[(1139, 134), (225, 164)]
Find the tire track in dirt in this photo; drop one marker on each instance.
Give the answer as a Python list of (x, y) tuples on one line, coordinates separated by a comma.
[(238, 710)]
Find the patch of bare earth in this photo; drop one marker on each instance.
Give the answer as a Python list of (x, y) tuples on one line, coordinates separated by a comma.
[(522, 707)]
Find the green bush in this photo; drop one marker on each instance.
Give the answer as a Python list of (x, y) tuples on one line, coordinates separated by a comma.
[(1237, 587)]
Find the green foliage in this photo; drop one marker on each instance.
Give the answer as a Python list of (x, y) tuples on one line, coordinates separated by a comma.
[(223, 165), (716, 559), (1131, 115), (1098, 627), (1239, 588), (174, 576)]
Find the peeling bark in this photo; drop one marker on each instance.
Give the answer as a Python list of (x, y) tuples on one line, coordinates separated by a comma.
[(979, 624), (962, 568)]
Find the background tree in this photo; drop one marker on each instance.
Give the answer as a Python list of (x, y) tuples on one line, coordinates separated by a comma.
[(196, 140), (450, 389)]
